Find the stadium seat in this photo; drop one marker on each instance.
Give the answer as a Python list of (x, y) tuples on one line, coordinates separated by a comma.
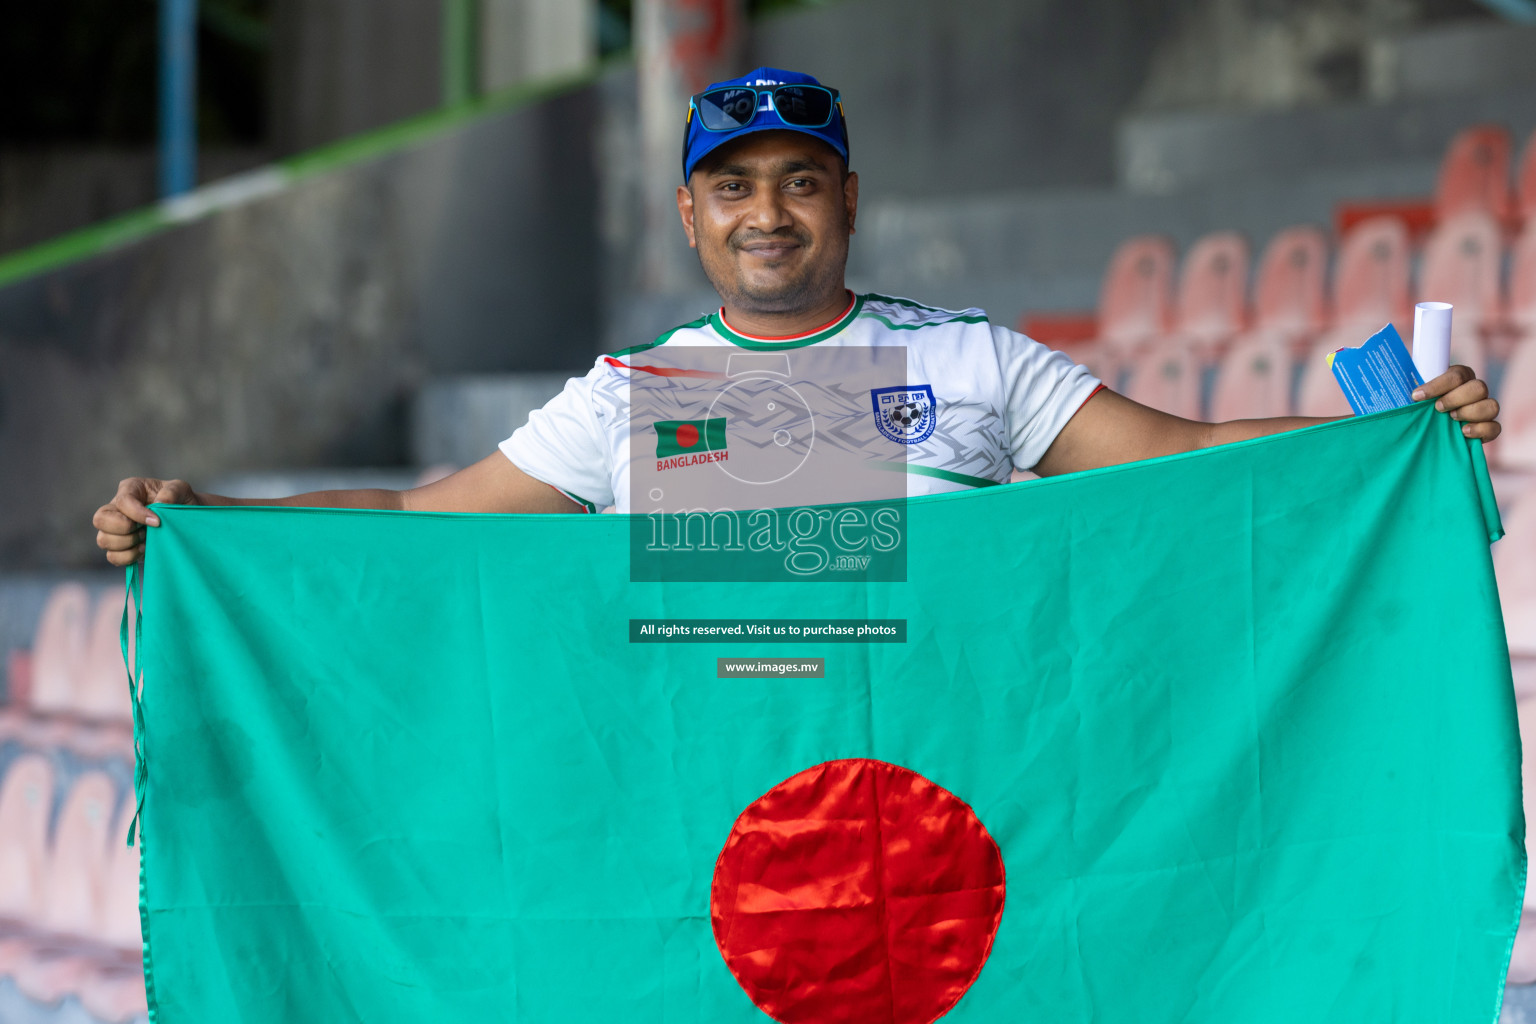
[(1370, 289), (26, 802), (1135, 298), (1290, 294), (114, 992), (1318, 392), (1516, 447), (1254, 379), (102, 685), (1370, 280), (1167, 376), (1474, 175), (119, 924), (1525, 183), (58, 650), (1522, 284), (1514, 564), (1462, 265), (77, 862), (1213, 294), (72, 893), (1522, 960), (1416, 215)]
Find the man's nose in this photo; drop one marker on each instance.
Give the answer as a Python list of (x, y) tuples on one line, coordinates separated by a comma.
[(768, 212)]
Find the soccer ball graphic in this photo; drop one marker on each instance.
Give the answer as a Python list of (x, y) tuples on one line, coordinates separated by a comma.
[(906, 417)]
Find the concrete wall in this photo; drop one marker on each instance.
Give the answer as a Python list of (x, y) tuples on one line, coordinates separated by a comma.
[(340, 67), (46, 191), (528, 40), (291, 331), (1165, 153), (974, 95)]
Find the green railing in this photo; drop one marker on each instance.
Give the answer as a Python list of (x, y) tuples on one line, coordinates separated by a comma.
[(150, 220)]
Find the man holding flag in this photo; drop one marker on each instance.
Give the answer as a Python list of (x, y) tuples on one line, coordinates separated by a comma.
[(769, 204), (1202, 750)]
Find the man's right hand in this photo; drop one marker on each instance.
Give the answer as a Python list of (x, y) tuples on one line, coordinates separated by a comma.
[(120, 523)]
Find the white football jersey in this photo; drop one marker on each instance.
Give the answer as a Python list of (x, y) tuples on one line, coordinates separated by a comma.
[(976, 401)]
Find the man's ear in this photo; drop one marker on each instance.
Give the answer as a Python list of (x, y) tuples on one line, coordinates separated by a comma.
[(851, 197), (685, 211)]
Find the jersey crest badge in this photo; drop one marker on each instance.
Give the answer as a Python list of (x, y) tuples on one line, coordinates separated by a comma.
[(905, 414)]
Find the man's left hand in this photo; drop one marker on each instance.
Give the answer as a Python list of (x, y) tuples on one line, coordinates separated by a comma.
[(1459, 392)]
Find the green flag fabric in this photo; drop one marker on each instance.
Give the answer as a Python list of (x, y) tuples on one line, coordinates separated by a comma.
[(1226, 736)]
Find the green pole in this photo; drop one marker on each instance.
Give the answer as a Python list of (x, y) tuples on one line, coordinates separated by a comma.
[(461, 21)]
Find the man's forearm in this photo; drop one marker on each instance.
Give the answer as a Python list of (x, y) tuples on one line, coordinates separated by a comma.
[(1243, 430), (370, 497)]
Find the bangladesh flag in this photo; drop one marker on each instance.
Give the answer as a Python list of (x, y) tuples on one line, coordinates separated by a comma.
[(682, 437), (1221, 737)]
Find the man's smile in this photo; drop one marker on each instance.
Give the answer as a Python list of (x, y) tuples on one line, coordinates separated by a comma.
[(770, 249)]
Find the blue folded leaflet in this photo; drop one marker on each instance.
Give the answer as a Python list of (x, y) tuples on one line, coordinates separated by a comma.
[(1377, 376)]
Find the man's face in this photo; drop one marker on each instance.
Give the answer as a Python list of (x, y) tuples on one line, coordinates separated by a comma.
[(770, 215)]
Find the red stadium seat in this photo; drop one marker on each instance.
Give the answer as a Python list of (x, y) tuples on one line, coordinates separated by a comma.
[(1522, 284), (77, 864), (1318, 393), (1525, 182), (1514, 564), (58, 651), (1474, 176), (1213, 294), (1516, 446), (1370, 281), (1167, 376), (1522, 960), (114, 992), (102, 686), (119, 924), (1135, 297), (1416, 215), (1290, 295), (1526, 713), (1254, 379), (72, 893), (1463, 263), (26, 802)]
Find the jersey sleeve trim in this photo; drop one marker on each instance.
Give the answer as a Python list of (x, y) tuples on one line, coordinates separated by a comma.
[(663, 338), (1095, 391), (586, 506)]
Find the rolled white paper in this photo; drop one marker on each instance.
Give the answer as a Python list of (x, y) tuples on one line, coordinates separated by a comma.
[(1432, 338)]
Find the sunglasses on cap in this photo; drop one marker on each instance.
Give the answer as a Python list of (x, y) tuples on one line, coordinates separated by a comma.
[(734, 106)]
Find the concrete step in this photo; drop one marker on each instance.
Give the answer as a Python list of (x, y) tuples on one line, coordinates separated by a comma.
[(1170, 153), (1454, 59), (1040, 250), (460, 420)]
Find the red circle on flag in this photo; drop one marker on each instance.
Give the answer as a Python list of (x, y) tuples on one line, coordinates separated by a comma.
[(687, 435), (857, 891)]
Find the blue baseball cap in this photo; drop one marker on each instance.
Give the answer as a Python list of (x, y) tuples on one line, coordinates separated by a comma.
[(762, 100)]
